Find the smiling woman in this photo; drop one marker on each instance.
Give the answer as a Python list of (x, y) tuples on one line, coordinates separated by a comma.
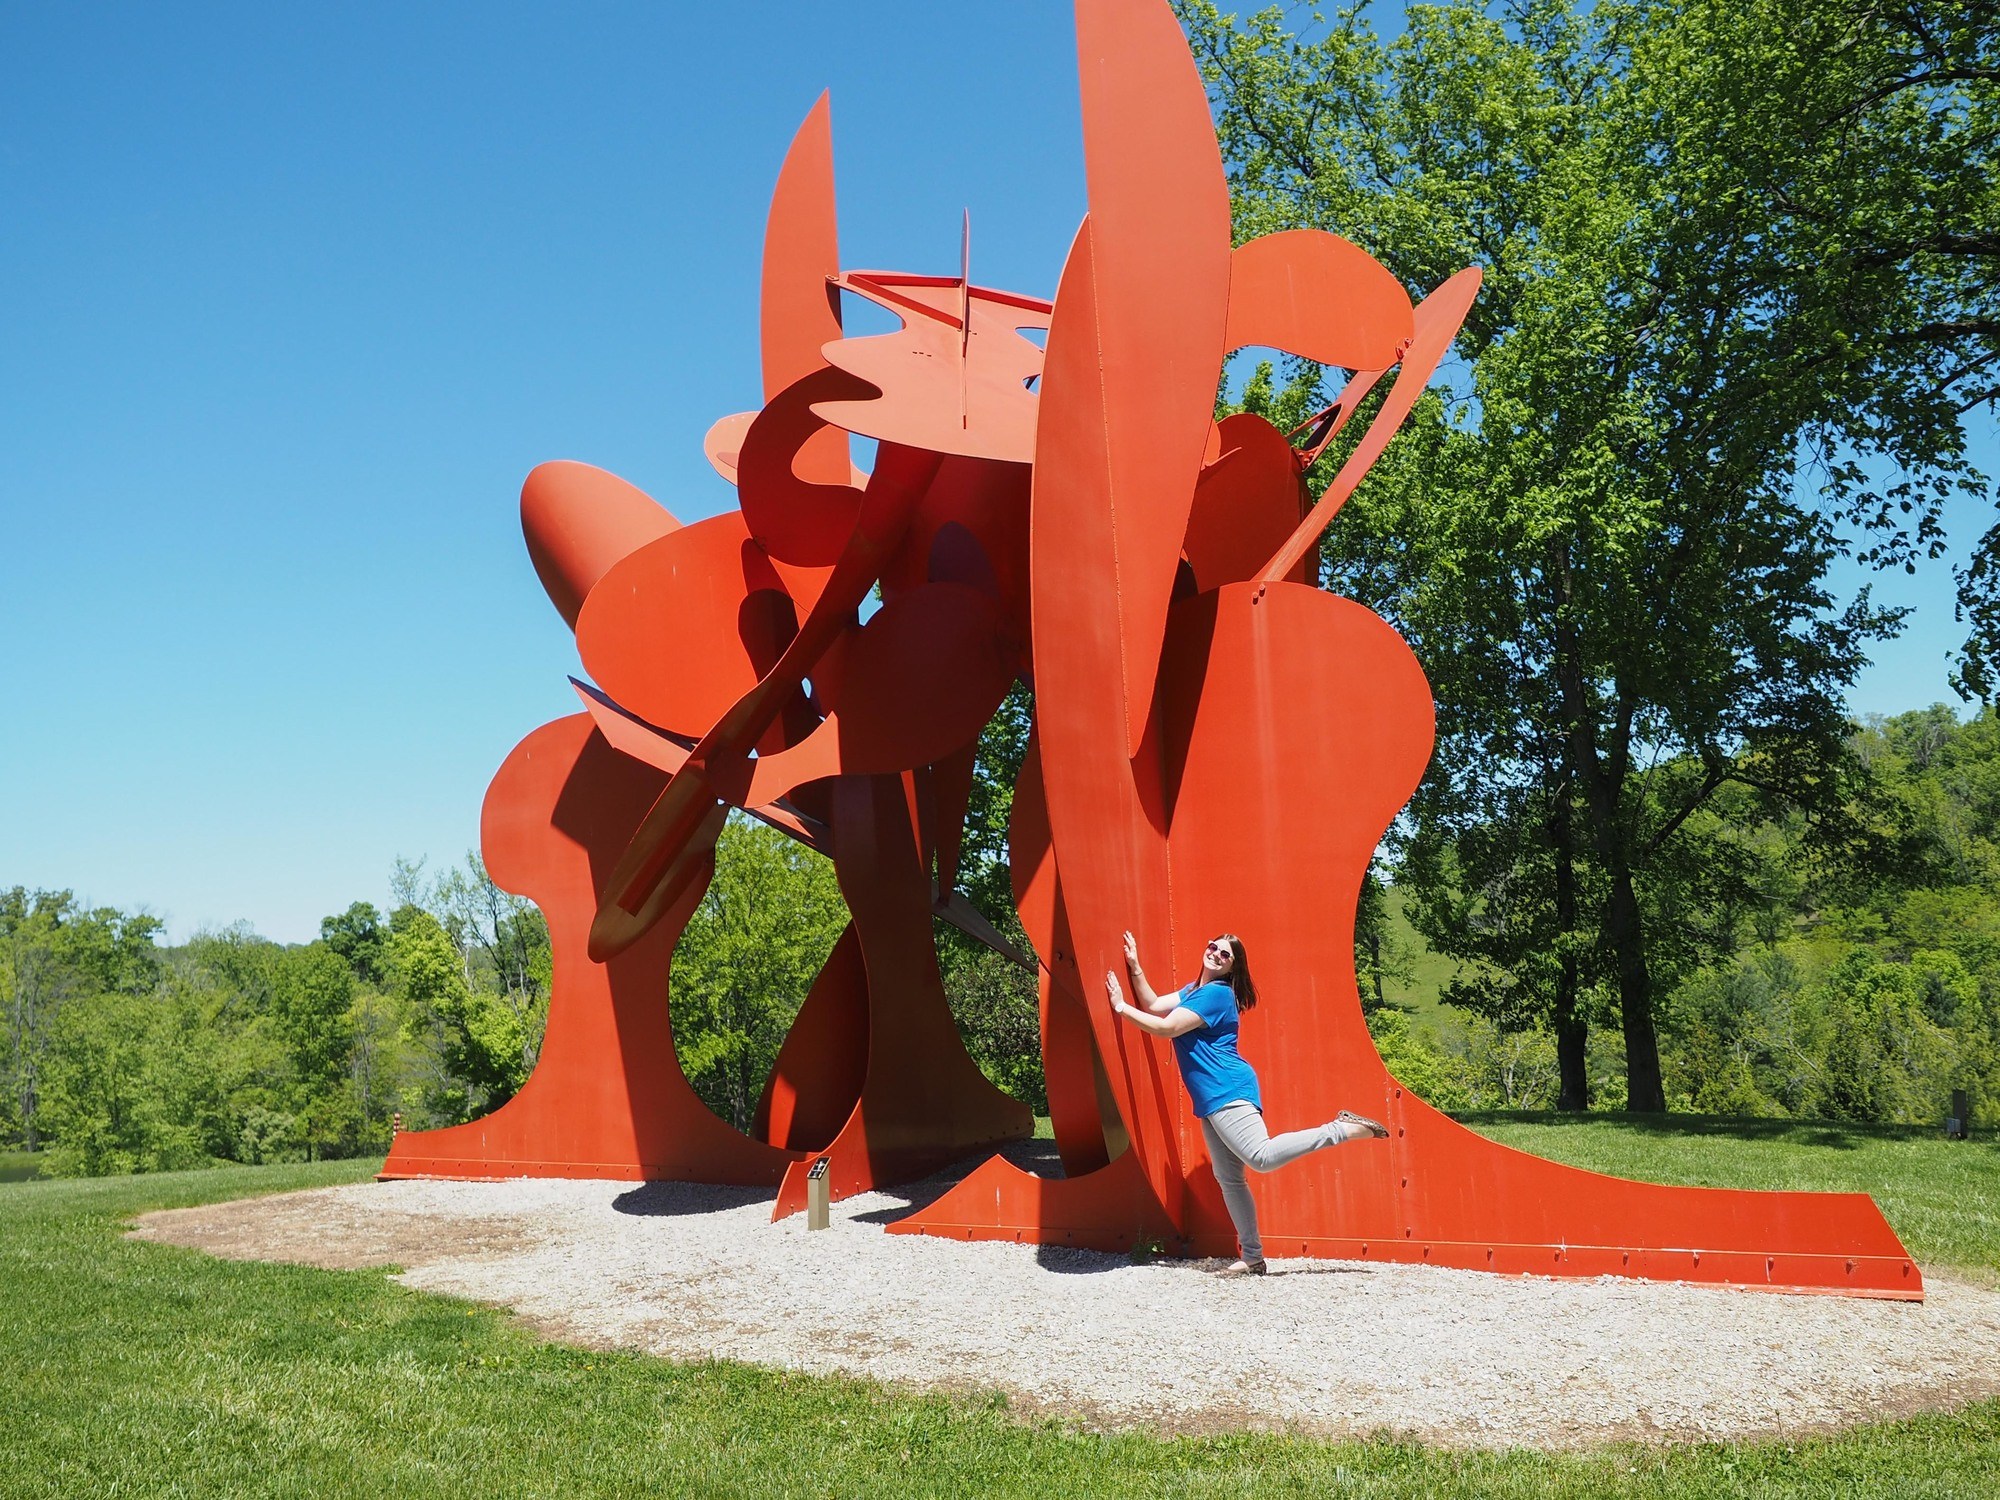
[(1202, 1019)]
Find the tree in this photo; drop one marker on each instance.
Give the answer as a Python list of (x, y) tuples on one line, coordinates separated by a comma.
[(51, 952), (358, 937), (503, 943), (1856, 193), (984, 872), (95, 1077), (749, 955), (1599, 543), (994, 1001), (313, 1001), (470, 1039)]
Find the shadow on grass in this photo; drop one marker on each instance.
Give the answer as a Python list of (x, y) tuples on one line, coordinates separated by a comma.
[(1838, 1135)]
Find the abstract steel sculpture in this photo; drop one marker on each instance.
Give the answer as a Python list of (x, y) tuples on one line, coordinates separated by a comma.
[(1217, 742)]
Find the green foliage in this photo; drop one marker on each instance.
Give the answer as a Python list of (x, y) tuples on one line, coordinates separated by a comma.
[(310, 1003), (1713, 312), (1871, 986), (358, 937), (472, 1040), (746, 960), (503, 947), (998, 1011), (123, 1056), (53, 952), (1418, 1062), (1856, 978), (983, 869), (993, 1000)]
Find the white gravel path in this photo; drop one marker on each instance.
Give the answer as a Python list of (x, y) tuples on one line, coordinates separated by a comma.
[(1454, 1357)]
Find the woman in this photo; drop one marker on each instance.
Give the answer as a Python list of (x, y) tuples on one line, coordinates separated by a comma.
[(1202, 1020)]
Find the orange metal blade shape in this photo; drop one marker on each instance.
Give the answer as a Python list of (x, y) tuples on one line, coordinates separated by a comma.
[(1438, 319), (607, 1097), (1106, 810), (579, 521), (1316, 295), (1306, 724), (800, 308), (1248, 503), (637, 889), (1159, 215)]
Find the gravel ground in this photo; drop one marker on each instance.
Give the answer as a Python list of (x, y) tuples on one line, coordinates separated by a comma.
[(1452, 1357)]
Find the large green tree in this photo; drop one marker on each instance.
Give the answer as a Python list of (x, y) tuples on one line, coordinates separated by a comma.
[(746, 960), (1608, 540), (361, 940)]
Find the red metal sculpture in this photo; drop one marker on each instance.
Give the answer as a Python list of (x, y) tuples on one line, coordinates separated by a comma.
[(1218, 743)]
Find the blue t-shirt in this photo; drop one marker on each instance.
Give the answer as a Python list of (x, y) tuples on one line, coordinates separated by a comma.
[(1215, 1074)]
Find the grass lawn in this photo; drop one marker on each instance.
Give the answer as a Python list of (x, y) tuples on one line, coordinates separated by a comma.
[(1943, 1197), (140, 1369), (1419, 972)]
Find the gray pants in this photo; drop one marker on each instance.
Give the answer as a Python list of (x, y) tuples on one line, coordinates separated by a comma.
[(1237, 1139)]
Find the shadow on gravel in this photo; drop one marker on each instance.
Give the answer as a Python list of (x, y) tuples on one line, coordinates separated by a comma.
[(1838, 1135), (674, 1199), (1069, 1261), (1038, 1158)]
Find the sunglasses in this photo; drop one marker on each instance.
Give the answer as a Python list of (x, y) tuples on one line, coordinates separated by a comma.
[(1218, 946)]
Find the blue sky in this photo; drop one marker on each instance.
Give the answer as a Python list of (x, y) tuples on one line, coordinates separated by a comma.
[(291, 299)]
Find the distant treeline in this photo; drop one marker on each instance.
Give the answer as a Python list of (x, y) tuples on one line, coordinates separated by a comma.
[(1843, 967), (124, 1055)]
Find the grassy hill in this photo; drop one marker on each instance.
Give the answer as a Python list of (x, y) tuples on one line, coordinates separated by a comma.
[(1416, 973)]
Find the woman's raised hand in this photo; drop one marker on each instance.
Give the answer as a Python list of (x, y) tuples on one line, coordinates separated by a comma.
[(1112, 989), (1131, 951)]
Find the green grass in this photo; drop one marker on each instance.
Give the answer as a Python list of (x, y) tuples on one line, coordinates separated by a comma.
[(140, 1369), (1943, 1197), (20, 1166), (1423, 972)]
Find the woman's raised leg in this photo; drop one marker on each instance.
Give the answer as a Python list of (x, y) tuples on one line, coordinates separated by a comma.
[(1241, 1127)]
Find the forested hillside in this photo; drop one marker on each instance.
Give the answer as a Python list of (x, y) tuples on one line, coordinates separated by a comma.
[(125, 1055), (1853, 974), (122, 1054), (1850, 968)]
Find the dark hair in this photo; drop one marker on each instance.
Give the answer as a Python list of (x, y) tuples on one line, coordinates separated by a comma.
[(1239, 973)]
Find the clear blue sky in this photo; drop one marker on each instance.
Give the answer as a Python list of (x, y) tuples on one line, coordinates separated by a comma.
[(291, 299)]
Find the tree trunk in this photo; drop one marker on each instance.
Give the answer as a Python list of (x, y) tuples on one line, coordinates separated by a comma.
[(1600, 773), (1644, 1091), (1572, 1033)]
